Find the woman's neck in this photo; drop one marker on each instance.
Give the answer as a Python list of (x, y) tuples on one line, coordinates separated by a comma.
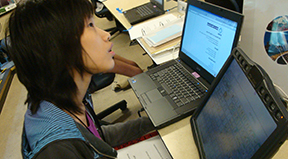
[(82, 83)]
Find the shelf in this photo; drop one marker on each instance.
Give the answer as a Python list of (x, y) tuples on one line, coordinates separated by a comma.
[(5, 85)]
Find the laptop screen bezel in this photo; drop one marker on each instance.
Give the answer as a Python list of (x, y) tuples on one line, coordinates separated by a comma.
[(235, 5), (278, 136), (160, 6), (217, 10)]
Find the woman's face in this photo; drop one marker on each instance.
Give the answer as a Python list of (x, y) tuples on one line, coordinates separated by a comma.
[(97, 54)]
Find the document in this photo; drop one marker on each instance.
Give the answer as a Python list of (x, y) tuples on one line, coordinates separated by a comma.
[(145, 28), (164, 34), (147, 149)]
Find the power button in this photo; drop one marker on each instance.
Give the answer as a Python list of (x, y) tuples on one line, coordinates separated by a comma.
[(279, 115)]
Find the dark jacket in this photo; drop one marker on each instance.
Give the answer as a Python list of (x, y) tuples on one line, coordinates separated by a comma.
[(52, 133)]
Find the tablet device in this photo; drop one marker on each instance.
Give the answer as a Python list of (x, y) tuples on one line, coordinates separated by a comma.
[(242, 115)]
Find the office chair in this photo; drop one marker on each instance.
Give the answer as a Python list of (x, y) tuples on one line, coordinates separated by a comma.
[(101, 12), (100, 81)]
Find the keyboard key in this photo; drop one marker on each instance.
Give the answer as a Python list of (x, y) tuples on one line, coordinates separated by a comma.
[(177, 82)]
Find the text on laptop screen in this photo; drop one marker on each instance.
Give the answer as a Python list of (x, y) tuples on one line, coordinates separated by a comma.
[(234, 123), (210, 41)]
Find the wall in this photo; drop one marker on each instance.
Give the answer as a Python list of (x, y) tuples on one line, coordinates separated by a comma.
[(256, 34)]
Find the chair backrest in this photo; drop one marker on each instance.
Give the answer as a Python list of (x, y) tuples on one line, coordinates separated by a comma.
[(100, 81), (101, 11)]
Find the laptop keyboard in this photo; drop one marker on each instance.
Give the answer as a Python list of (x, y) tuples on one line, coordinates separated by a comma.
[(178, 84), (144, 10)]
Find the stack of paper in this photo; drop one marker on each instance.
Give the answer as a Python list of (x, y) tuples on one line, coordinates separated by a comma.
[(163, 35), (148, 27)]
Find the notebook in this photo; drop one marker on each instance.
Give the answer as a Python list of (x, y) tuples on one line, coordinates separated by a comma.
[(243, 116), (209, 34), (146, 11), (163, 35)]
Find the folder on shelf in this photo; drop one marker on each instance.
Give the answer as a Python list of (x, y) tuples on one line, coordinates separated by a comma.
[(163, 35)]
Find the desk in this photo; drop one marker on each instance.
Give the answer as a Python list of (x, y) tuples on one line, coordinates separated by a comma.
[(178, 136), (180, 142)]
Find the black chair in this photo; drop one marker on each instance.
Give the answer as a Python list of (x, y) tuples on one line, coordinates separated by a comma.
[(101, 12), (100, 81)]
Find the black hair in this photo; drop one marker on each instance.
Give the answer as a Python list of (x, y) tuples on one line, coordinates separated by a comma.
[(45, 47)]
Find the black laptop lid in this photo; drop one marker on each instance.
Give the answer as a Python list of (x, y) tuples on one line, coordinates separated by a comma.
[(210, 33), (158, 3), (235, 5), (242, 116)]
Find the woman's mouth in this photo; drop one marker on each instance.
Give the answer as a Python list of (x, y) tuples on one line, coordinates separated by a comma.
[(110, 51)]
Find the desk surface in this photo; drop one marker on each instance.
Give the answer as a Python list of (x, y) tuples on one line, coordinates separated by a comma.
[(180, 142)]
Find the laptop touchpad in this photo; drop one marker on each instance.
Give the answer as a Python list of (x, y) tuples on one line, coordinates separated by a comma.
[(153, 95), (158, 108)]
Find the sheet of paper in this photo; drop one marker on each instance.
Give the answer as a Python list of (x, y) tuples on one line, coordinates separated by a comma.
[(146, 149), (145, 28), (165, 56), (165, 34)]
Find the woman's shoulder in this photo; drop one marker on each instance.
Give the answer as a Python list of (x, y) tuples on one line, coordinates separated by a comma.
[(49, 120), (47, 125), (51, 130), (68, 148)]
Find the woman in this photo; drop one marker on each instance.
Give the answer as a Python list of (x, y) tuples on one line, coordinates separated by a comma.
[(56, 48)]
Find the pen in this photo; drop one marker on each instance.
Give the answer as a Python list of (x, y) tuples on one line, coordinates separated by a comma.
[(3, 70)]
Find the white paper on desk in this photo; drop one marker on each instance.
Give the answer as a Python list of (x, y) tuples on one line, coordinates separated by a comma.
[(165, 56), (146, 149), (145, 28), (164, 34)]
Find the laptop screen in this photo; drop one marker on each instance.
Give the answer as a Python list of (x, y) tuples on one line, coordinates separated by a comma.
[(234, 122), (158, 1), (235, 5), (208, 38)]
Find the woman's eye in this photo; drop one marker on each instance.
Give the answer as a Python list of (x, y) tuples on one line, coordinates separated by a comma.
[(91, 24)]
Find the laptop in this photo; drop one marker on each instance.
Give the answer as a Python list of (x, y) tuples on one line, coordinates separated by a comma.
[(209, 34), (235, 5), (146, 11), (242, 116)]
